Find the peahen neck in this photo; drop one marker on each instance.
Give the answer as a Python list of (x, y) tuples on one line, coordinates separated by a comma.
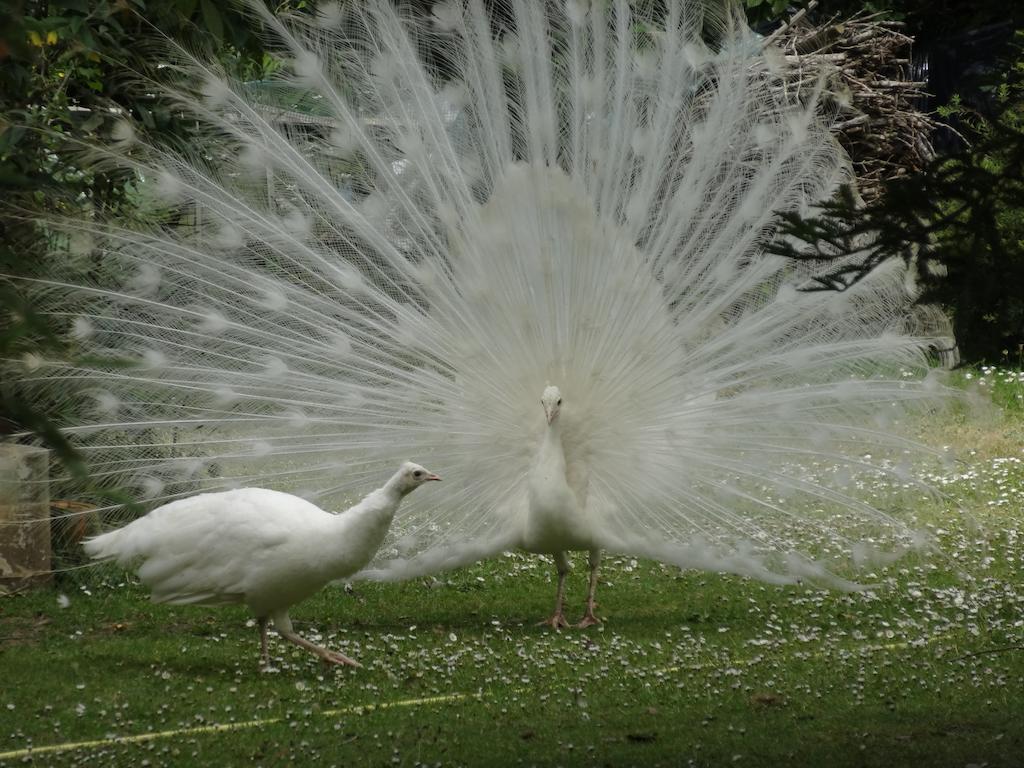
[(362, 528)]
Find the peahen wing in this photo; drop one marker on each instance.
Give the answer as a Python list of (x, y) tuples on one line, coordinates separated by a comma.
[(210, 548)]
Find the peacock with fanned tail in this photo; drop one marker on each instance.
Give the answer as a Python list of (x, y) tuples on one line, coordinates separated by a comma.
[(534, 259)]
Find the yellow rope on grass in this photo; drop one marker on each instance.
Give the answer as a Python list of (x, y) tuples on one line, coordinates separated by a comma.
[(357, 709)]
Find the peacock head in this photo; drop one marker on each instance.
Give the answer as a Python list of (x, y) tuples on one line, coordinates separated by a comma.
[(411, 476), (552, 402)]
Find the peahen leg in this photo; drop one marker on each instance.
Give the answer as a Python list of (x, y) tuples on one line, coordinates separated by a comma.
[(589, 619), (557, 619), (283, 625)]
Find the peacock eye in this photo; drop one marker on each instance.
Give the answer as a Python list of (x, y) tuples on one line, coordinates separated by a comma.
[(417, 473), (559, 401)]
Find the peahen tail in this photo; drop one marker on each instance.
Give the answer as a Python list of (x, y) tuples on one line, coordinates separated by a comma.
[(385, 254)]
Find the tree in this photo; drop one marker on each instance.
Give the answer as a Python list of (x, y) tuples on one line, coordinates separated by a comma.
[(959, 225), (69, 74)]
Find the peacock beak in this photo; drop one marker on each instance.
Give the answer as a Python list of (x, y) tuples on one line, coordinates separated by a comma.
[(433, 477)]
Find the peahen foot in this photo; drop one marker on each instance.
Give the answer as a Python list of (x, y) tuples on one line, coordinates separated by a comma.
[(333, 657), (588, 620), (326, 654)]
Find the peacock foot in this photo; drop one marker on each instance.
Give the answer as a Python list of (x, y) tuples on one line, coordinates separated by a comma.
[(588, 620), (556, 621)]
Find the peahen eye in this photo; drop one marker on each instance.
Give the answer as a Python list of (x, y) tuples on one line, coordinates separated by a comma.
[(417, 473), (559, 401)]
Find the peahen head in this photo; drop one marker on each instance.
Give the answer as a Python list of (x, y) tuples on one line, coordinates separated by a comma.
[(411, 476), (552, 402)]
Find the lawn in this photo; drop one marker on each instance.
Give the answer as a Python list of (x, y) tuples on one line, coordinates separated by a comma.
[(927, 668)]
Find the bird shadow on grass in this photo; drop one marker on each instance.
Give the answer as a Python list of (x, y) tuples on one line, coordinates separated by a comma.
[(144, 663), (526, 624)]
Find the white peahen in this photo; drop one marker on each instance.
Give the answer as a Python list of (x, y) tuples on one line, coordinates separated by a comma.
[(558, 202), (265, 549)]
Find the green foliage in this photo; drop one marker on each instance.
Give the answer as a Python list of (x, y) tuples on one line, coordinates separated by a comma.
[(1004, 386), (69, 73), (21, 330), (960, 225), (64, 73)]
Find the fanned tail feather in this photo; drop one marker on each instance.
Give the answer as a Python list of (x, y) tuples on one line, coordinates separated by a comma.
[(555, 197)]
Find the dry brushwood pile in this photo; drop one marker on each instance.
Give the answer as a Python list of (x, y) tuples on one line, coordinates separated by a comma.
[(866, 61)]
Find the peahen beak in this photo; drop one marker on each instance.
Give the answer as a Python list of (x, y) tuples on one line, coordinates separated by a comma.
[(432, 477)]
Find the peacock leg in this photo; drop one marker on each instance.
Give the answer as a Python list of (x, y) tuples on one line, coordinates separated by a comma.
[(557, 619), (589, 619), (264, 655), (283, 625)]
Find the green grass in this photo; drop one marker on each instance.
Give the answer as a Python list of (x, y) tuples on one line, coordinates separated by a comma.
[(1004, 387), (689, 668)]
